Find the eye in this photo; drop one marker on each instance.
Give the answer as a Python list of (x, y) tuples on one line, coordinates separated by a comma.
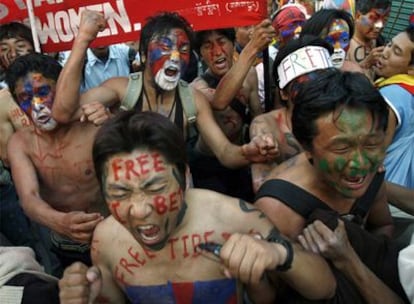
[(118, 193), (340, 148), (43, 91), (185, 48)]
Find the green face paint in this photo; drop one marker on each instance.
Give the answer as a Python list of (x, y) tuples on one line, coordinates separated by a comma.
[(352, 120), (324, 165)]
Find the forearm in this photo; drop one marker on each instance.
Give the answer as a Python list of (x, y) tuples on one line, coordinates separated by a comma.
[(310, 275), (41, 212), (232, 81), (401, 197), (372, 289), (67, 99), (232, 156)]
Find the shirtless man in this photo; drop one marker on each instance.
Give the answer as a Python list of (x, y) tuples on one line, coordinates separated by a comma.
[(165, 52), (51, 163), (232, 91), (340, 120), (148, 250)]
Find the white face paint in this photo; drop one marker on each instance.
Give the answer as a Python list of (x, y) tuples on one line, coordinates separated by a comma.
[(42, 117), (338, 58), (164, 80)]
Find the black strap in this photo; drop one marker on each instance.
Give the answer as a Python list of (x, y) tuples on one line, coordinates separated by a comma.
[(304, 203), (301, 201), (364, 203)]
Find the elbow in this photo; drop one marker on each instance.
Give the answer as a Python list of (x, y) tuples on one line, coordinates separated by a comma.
[(218, 106)]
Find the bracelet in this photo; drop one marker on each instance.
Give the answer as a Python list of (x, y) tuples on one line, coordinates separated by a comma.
[(289, 252)]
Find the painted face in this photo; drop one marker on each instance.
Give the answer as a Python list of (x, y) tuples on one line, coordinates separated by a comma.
[(169, 56), (338, 36), (371, 24), (143, 193), (396, 57), (285, 33), (348, 151), (11, 48), (35, 95), (217, 52)]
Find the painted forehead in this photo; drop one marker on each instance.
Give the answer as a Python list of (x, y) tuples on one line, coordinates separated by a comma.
[(378, 13), (339, 25), (176, 33)]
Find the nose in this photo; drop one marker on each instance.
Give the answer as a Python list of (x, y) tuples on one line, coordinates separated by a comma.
[(140, 209), (37, 103), (337, 45), (359, 162), (175, 55)]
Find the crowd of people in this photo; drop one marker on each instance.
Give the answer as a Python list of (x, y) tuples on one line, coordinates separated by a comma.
[(271, 163)]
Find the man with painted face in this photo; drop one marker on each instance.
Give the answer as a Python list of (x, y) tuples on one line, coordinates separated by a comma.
[(165, 44), (396, 83), (336, 27), (167, 243), (51, 163), (231, 88), (366, 47), (331, 197)]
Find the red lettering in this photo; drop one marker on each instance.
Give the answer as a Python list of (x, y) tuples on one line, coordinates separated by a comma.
[(174, 201), (120, 276), (114, 207), (135, 256), (142, 161), (195, 240), (124, 263), (116, 167), (129, 166), (158, 163), (184, 238), (159, 203), (172, 241)]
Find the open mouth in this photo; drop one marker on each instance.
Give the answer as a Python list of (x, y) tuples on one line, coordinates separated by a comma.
[(43, 118), (171, 71), (220, 63), (150, 234), (354, 182)]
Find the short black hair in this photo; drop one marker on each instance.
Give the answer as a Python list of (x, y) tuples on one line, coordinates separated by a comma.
[(364, 6), (332, 91), (200, 36), (16, 30), (130, 130), (35, 62)]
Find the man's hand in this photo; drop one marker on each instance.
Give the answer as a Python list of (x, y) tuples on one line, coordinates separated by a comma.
[(95, 112), (262, 35), (333, 245), (372, 57), (91, 23), (80, 284), (261, 148), (247, 257), (79, 226)]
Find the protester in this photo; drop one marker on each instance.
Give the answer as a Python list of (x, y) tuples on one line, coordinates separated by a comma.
[(337, 28), (158, 226), (396, 70), (340, 121), (165, 44), (299, 60), (51, 163), (232, 90), (366, 44)]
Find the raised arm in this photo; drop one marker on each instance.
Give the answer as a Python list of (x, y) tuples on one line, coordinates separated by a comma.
[(232, 81), (68, 100)]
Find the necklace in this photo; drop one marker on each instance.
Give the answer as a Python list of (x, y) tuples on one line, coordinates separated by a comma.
[(157, 109)]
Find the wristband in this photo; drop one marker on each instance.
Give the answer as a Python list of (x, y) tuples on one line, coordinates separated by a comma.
[(289, 252)]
